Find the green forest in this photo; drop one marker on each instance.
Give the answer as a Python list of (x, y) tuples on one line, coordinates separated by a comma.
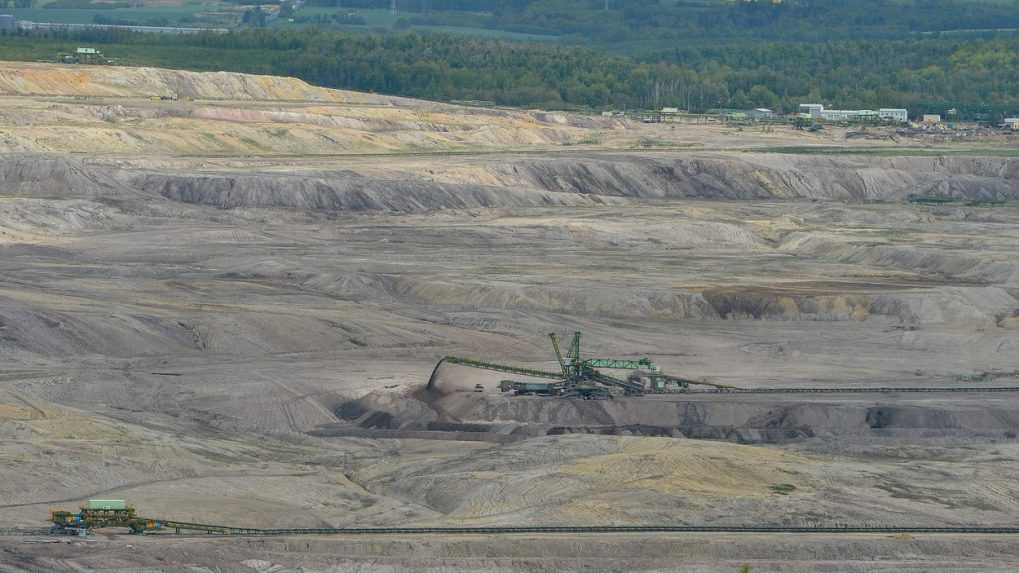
[(976, 72), (620, 23), (642, 22)]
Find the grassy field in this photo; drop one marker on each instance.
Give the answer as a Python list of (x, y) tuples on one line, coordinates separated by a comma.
[(212, 13), (387, 20), (199, 58), (143, 14)]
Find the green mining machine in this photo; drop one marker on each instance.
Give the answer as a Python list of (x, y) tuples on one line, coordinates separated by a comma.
[(97, 514), (580, 377), (105, 513)]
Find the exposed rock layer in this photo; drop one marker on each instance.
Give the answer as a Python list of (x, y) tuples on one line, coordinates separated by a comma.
[(534, 181)]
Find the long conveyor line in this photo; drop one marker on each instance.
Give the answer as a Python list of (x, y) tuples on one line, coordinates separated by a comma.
[(636, 529), (860, 390), (183, 528)]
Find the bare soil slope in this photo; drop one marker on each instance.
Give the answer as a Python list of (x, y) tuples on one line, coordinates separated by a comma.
[(225, 312), (28, 79)]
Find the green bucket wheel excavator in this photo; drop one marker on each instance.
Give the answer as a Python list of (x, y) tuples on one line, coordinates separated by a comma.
[(579, 377)]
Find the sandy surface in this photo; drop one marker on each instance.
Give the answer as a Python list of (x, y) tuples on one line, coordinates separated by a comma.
[(222, 317)]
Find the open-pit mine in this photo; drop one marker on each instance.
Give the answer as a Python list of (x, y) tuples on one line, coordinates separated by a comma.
[(223, 299)]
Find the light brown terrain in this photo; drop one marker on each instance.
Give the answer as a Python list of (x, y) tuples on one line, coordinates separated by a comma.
[(225, 308)]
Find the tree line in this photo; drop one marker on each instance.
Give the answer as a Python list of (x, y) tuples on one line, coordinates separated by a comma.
[(977, 76), (631, 24)]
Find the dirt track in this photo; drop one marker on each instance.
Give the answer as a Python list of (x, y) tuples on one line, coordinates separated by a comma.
[(186, 320)]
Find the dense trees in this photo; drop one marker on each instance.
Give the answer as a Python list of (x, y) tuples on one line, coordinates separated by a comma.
[(646, 22), (682, 20), (933, 73)]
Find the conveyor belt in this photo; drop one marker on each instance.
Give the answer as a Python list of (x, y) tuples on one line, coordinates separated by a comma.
[(167, 527), (860, 390), (606, 529), (499, 368)]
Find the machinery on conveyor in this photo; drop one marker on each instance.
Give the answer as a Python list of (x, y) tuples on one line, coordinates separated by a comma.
[(581, 378), (94, 514), (102, 513)]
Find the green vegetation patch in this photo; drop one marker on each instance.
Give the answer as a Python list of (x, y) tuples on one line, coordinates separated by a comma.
[(91, 12)]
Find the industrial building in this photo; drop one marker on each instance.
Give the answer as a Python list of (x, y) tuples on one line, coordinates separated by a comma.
[(898, 115), (849, 115), (817, 111), (8, 23), (758, 114), (811, 109), (84, 56)]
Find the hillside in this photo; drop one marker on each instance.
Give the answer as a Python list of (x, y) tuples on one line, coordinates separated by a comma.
[(27, 79)]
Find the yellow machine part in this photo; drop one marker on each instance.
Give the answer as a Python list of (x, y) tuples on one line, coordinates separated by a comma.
[(62, 517)]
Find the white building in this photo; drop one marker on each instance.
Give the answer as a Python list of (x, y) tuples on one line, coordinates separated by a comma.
[(812, 109), (1012, 123), (897, 115), (849, 115), (817, 111)]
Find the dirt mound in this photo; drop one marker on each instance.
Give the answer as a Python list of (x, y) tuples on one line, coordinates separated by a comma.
[(753, 419), (909, 306), (342, 191), (37, 220), (554, 182), (760, 176), (51, 80), (816, 303), (38, 175), (1002, 269), (578, 479)]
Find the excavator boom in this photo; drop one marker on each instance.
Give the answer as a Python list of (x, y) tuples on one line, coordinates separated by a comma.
[(501, 368), (559, 354), (578, 375)]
